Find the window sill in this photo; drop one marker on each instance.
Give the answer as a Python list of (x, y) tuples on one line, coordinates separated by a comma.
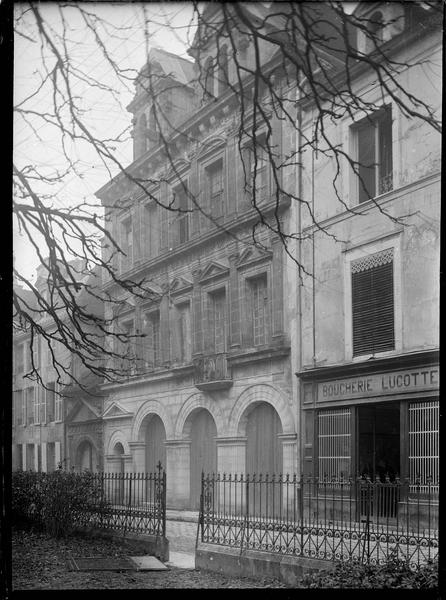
[(260, 353)]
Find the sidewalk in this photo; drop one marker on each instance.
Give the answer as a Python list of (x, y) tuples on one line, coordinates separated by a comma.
[(181, 531)]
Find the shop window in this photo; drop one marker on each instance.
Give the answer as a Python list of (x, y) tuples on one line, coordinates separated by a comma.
[(374, 155), (424, 441), (373, 303), (214, 176), (334, 443), (258, 309)]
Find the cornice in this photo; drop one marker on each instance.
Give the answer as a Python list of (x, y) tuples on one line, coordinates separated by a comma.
[(389, 363)]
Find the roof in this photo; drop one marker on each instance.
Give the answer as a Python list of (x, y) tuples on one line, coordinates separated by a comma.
[(181, 69)]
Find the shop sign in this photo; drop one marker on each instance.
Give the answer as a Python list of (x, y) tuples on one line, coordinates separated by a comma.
[(397, 382)]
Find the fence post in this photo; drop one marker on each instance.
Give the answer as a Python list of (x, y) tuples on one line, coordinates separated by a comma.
[(200, 514)]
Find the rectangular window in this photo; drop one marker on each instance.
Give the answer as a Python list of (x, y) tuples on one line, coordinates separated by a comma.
[(30, 464), (50, 457), (58, 407), (126, 244), (18, 408), (424, 446), (50, 401), (214, 173), (182, 216), (30, 392), (334, 443), (151, 330), (373, 303), (184, 332), (152, 230), (259, 309), (19, 359), (218, 320), (374, 139), (36, 406)]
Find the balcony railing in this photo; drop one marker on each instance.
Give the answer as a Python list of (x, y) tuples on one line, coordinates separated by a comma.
[(211, 372)]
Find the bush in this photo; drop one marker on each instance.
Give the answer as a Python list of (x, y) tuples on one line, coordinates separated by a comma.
[(55, 500), (394, 574)]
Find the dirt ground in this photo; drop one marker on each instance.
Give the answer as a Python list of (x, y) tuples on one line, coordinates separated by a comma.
[(40, 562)]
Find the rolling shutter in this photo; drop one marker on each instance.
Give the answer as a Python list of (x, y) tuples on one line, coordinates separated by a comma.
[(373, 304)]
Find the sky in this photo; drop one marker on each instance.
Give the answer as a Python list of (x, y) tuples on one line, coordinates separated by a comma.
[(37, 143)]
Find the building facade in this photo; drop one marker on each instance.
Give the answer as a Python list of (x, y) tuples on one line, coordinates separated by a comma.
[(54, 422), (214, 389), (369, 376)]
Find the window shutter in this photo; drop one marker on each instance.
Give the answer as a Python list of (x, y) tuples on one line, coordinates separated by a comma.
[(373, 304)]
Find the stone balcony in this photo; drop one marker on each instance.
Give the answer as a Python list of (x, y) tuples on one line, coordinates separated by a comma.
[(211, 372)]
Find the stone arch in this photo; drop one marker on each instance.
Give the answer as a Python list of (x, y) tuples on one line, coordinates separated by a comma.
[(196, 401), (249, 398), (118, 437), (211, 143), (150, 407), (82, 441)]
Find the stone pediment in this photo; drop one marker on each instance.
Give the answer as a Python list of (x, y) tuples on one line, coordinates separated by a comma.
[(82, 411), (252, 255), (180, 284), (212, 270), (116, 411)]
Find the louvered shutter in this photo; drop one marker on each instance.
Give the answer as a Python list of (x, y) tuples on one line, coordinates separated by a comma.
[(373, 304)]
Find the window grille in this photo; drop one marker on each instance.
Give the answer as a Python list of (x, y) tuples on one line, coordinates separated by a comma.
[(334, 443), (424, 441), (373, 303)]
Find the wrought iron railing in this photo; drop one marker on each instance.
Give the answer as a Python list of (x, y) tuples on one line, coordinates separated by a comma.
[(127, 502), (355, 520), (212, 368), (130, 502)]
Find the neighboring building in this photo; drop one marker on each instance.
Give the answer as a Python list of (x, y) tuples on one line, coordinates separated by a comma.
[(51, 423), (370, 317), (213, 385)]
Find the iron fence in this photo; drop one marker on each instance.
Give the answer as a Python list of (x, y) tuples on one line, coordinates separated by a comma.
[(127, 502), (130, 502), (359, 520)]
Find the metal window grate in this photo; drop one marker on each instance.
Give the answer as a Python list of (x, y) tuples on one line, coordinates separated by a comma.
[(334, 443), (424, 441)]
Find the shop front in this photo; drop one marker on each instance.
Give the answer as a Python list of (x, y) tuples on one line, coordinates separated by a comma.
[(376, 421)]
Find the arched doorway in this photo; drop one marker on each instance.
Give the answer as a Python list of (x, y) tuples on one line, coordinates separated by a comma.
[(119, 491), (203, 452), (155, 438), (264, 457), (86, 457)]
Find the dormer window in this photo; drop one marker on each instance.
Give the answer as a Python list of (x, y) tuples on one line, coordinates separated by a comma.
[(378, 24), (223, 73), (209, 77)]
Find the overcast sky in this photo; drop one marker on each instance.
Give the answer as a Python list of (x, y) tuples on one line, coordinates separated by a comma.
[(168, 28)]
